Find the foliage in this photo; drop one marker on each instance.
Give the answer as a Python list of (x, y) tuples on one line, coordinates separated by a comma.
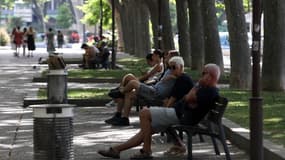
[(6, 4), (64, 17), (273, 112), (4, 37), (14, 22), (91, 11), (246, 4)]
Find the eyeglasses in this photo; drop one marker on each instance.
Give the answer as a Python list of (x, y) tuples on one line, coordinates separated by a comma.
[(204, 73), (172, 67)]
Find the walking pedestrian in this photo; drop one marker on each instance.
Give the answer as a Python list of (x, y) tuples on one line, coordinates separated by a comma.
[(50, 41), (24, 41), (31, 41), (18, 40), (60, 39)]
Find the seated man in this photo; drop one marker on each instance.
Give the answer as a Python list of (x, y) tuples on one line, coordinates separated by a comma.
[(102, 58), (190, 110), (150, 93), (89, 56), (149, 77)]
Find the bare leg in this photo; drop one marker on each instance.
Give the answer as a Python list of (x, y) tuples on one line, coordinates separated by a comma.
[(132, 142), (145, 124), (144, 135), (129, 98), (120, 104), (133, 84), (127, 78)]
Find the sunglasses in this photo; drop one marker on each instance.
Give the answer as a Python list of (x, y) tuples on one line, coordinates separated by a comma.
[(204, 73), (172, 67)]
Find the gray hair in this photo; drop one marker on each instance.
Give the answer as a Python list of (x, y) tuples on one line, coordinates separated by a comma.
[(177, 60)]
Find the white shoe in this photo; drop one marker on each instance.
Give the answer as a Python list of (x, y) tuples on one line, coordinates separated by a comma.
[(111, 104)]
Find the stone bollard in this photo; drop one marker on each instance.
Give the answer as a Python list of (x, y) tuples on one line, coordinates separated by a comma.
[(53, 131), (57, 86)]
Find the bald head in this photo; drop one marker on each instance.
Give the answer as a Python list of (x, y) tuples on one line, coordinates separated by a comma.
[(210, 75), (214, 70)]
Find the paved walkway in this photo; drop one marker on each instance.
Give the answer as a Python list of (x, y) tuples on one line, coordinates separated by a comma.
[(90, 132)]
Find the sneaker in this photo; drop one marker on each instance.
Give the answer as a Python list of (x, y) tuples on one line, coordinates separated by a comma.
[(116, 94), (115, 118), (111, 104), (123, 121), (110, 153)]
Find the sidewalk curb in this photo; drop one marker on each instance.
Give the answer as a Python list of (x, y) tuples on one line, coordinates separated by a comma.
[(240, 137), (77, 102)]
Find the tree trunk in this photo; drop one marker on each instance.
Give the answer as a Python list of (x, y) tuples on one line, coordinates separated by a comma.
[(183, 31), (141, 29), (196, 34), (167, 36), (40, 15), (273, 66), (240, 56), (72, 10), (134, 19), (153, 9), (125, 11), (213, 52)]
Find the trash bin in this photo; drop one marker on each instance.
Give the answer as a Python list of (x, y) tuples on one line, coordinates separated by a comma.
[(57, 86), (53, 131)]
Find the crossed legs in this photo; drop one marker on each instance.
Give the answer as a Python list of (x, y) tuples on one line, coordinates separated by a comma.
[(143, 136)]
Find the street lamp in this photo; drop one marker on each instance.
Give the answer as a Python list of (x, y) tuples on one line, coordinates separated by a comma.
[(256, 112), (159, 36), (113, 36), (101, 20)]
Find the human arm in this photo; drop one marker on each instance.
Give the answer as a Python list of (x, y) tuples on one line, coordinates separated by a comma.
[(152, 72)]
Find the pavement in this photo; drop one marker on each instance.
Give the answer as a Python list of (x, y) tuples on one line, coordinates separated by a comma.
[(90, 131)]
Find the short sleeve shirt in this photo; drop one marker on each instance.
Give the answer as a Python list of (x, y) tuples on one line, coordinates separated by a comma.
[(182, 86)]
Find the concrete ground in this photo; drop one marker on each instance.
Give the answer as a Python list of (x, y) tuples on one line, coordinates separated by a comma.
[(90, 131)]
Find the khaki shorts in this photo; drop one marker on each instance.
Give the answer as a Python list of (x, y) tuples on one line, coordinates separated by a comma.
[(162, 118)]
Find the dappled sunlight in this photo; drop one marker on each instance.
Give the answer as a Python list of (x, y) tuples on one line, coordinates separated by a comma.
[(273, 120), (238, 103), (9, 123), (14, 110), (104, 136), (280, 135), (202, 151), (5, 146), (240, 130)]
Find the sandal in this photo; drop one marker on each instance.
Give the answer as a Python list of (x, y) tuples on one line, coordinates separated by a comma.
[(141, 155), (110, 153), (176, 151)]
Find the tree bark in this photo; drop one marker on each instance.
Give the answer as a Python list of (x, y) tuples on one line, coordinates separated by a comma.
[(183, 31), (213, 52), (153, 9), (240, 76), (134, 17), (40, 15), (167, 35), (196, 34), (273, 66)]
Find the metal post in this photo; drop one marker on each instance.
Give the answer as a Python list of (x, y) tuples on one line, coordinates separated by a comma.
[(83, 27), (101, 20), (256, 112), (57, 86), (159, 25), (113, 36)]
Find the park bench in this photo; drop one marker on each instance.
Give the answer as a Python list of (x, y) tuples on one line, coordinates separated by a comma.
[(210, 126)]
